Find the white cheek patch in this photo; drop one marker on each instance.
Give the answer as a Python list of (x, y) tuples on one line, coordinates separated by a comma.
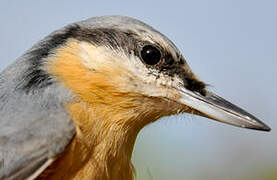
[(131, 74), (101, 57)]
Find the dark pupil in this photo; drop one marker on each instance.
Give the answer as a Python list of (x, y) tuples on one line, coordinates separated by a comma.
[(150, 55)]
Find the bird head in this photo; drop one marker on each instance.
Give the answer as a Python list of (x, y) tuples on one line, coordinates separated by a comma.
[(135, 74), (81, 95)]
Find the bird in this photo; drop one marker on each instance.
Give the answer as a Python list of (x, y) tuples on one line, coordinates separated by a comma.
[(72, 105)]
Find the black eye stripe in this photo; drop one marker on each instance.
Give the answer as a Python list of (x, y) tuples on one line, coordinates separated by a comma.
[(150, 55)]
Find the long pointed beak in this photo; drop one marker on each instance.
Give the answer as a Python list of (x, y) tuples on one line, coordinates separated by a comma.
[(217, 108)]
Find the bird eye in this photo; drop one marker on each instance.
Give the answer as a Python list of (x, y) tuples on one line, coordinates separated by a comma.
[(150, 55)]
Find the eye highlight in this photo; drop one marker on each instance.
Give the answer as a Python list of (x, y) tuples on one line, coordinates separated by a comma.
[(150, 55)]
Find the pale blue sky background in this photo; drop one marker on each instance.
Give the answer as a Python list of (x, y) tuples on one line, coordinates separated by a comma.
[(231, 45)]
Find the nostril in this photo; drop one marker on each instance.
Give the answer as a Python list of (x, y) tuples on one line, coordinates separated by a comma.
[(203, 92), (195, 85)]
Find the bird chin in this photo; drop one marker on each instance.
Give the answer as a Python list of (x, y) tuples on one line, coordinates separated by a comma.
[(219, 109)]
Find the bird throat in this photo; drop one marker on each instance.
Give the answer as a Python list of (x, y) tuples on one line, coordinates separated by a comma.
[(104, 141)]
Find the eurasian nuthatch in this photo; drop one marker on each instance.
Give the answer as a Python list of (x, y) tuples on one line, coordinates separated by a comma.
[(71, 107)]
